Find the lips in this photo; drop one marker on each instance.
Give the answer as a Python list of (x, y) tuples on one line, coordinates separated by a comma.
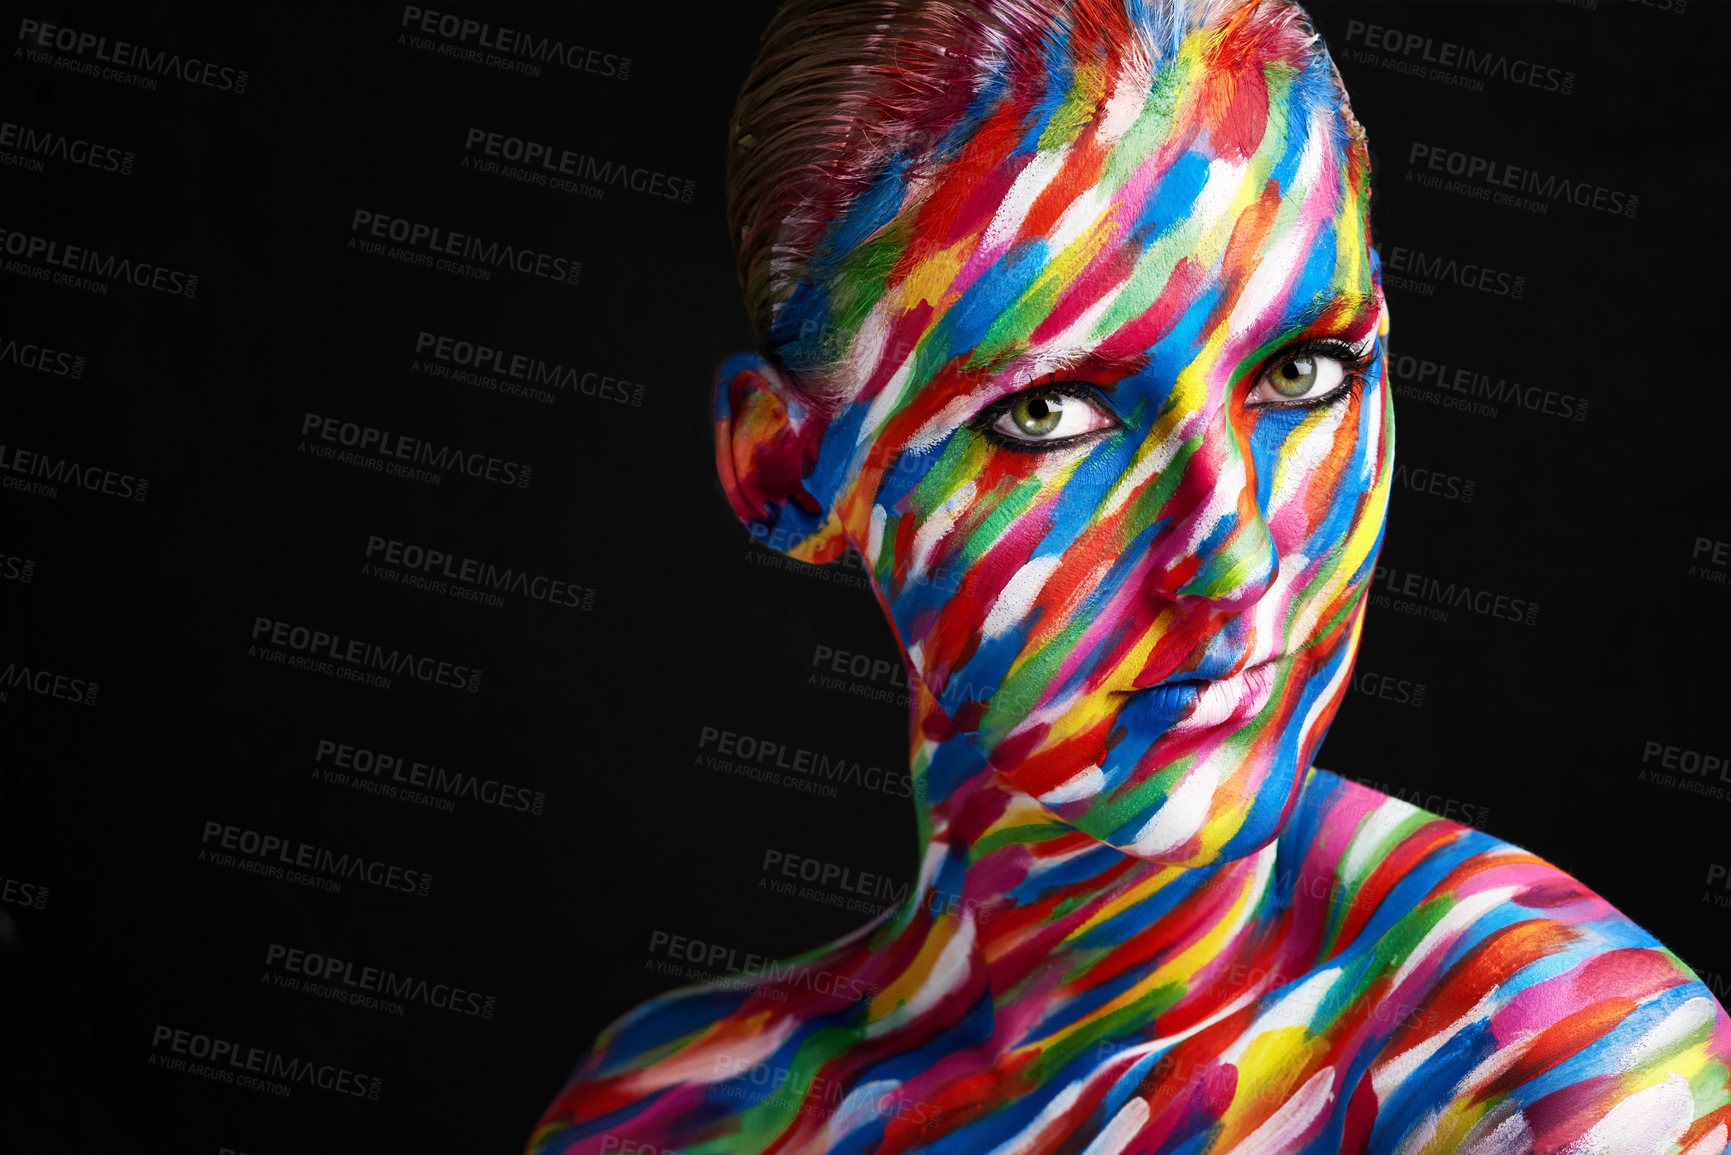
[(1199, 703)]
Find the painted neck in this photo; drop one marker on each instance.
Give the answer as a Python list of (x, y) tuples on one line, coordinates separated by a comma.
[(1036, 890)]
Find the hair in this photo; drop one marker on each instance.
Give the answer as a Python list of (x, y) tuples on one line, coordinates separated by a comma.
[(841, 88)]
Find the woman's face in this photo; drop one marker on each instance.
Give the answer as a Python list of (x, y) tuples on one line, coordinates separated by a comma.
[(1115, 439)]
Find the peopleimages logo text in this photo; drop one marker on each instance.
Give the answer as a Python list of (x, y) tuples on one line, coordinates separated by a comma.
[(324, 968), (524, 45), (234, 1061), (49, 684), (58, 146), (288, 852), (65, 471), (361, 762), (1465, 274), (192, 70), (28, 355), (548, 160), (401, 447), (1473, 61), (355, 652), (105, 267), (1585, 194), (485, 575), (435, 240)]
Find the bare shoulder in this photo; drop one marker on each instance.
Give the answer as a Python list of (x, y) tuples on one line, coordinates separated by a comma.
[(1533, 1015), (686, 1068)]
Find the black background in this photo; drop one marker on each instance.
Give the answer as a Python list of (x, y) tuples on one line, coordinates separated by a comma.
[(1541, 734)]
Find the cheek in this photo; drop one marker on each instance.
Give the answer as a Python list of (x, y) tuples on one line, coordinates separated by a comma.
[(1313, 472), (957, 564)]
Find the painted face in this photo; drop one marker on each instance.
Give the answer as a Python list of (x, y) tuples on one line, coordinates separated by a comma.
[(1114, 436)]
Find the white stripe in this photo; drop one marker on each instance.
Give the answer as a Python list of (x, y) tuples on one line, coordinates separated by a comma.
[(1178, 819), (1083, 212), (1153, 459), (699, 1064), (1084, 785), (1508, 1136), (1116, 1135), (1448, 926), (1298, 464), (1080, 334), (933, 531), (883, 406), (1124, 108), (1277, 268), (1018, 596), (1218, 192), (949, 972), (1385, 1078), (1499, 1060), (1013, 209), (1284, 1130), (1646, 1123), (1222, 500), (1322, 698), (1669, 1034), (1375, 827), (1027, 1140), (859, 1107), (1294, 1009), (873, 337)]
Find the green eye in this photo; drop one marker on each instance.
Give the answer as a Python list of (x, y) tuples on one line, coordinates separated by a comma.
[(1038, 415), (1294, 377), (1301, 377), (1046, 418)]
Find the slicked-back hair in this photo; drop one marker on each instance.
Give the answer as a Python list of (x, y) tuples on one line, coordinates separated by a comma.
[(843, 88)]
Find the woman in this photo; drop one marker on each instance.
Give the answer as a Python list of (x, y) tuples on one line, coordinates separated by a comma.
[(1072, 325)]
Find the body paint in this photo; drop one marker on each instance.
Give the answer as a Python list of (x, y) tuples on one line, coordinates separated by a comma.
[(1142, 923)]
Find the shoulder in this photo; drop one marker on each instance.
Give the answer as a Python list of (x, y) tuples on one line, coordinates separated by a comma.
[(1534, 1016), (685, 1067), (654, 1061)]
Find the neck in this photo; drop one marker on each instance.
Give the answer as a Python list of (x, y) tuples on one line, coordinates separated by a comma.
[(1042, 911)]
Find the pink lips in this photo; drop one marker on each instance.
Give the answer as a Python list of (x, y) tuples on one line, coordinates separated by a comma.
[(1237, 697)]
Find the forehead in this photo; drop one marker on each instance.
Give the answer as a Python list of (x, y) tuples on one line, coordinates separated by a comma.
[(1095, 208)]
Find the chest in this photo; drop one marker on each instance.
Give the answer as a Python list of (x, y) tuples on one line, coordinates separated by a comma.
[(1286, 1064), (1247, 1053)]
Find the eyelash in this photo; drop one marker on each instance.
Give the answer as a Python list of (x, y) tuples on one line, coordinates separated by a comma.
[(1355, 363), (983, 421)]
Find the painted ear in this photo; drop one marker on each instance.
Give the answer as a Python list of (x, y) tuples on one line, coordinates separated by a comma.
[(767, 439)]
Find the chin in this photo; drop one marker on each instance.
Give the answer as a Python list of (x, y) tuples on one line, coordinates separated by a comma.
[(1230, 822), (1192, 796)]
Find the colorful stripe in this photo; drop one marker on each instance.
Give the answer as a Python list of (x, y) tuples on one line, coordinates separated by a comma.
[(1142, 924)]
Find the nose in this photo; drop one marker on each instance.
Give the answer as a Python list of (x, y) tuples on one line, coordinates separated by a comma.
[(1216, 548)]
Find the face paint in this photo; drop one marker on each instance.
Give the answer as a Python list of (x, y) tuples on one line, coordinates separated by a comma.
[(1096, 385), (1114, 438)]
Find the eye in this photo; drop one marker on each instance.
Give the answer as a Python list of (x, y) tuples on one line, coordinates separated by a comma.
[(1045, 416), (1308, 375)]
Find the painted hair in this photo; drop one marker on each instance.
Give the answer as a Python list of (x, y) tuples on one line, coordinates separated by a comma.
[(843, 89)]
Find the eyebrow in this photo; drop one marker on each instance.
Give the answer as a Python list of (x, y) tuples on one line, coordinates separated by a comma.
[(1349, 308), (1090, 362)]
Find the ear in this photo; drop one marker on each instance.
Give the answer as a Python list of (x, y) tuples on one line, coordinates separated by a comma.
[(767, 438)]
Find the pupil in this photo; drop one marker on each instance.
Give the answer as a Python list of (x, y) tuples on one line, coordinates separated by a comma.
[(1038, 416), (1290, 371)]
